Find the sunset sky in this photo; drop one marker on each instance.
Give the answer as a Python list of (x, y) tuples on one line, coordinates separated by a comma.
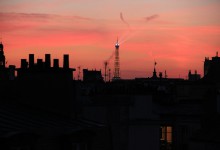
[(177, 34)]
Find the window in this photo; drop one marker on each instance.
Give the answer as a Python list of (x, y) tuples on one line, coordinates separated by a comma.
[(166, 137)]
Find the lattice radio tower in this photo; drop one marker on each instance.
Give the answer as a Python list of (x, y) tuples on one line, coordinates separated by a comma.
[(117, 62)]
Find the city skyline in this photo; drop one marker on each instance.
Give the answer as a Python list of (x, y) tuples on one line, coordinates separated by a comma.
[(177, 35)]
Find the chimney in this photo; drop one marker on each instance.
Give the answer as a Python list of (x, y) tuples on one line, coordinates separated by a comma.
[(56, 63), (11, 72), (31, 60), (160, 75), (66, 61), (24, 64), (39, 63), (189, 72), (47, 61)]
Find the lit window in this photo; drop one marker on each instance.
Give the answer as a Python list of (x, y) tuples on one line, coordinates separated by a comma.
[(166, 137)]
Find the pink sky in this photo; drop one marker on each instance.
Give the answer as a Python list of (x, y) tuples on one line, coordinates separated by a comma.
[(179, 38)]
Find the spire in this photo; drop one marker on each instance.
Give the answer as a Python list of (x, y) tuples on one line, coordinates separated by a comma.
[(155, 63), (1, 39), (1, 46), (2, 56), (154, 73), (117, 44)]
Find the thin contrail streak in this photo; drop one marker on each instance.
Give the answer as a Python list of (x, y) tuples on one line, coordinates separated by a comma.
[(149, 18), (122, 19)]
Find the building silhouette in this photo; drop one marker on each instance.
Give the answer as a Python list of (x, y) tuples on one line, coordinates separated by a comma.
[(38, 109), (43, 107), (211, 68), (193, 77), (92, 76), (6, 73)]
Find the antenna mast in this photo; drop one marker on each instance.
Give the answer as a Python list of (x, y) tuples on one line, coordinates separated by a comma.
[(117, 62), (79, 71)]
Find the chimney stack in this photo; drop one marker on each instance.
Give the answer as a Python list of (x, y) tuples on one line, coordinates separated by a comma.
[(31, 60), (47, 61), (66, 61), (56, 63), (24, 64), (11, 72), (40, 63)]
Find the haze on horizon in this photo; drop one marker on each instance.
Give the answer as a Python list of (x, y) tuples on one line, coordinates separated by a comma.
[(179, 36)]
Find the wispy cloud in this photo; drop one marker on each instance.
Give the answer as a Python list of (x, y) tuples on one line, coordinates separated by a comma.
[(149, 18), (45, 22), (47, 29), (179, 39), (38, 17)]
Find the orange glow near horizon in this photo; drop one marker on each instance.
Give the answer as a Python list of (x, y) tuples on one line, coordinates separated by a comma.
[(178, 37)]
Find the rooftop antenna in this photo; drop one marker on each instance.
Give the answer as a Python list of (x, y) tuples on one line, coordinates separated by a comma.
[(109, 74), (106, 65), (79, 71), (155, 63), (165, 74)]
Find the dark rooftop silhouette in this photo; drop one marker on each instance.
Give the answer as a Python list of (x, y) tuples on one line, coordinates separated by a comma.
[(43, 107)]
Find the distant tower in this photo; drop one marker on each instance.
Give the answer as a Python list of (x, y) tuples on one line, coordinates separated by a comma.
[(106, 65), (117, 63), (2, 56), (154, 73)]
